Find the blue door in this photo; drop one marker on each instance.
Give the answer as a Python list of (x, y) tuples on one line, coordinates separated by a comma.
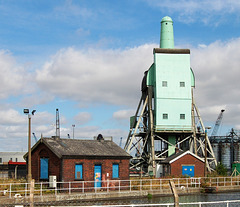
[(43, 168), (188, 170), (97, 176)]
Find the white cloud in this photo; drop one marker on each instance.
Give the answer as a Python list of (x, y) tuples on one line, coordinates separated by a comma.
[(14, 79), (82, 118), (123, 114), (217, 73), (97, 76), (206, 11), (11, 117)]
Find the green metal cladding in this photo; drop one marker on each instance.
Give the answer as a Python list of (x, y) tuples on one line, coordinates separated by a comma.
[(172, 91), (167, 38), (172, 78)]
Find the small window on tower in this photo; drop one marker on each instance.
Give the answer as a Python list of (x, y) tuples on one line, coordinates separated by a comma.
[(182, 116), (165, 116), (164, 83), (182, 84)]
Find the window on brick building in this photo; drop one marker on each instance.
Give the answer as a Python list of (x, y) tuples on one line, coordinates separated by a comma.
[(115, 170), (78, 171)]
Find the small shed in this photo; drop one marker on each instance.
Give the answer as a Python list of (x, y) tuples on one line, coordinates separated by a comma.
[(78, 160), (183, 163)]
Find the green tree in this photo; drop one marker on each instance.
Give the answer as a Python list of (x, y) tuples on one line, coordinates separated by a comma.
[(221, 169)]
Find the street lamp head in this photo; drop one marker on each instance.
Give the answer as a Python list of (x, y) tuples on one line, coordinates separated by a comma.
[(26, 111), (33, 112)]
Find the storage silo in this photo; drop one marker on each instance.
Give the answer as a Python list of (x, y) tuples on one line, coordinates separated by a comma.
[(226, 155), (215, 147), (236, 147)]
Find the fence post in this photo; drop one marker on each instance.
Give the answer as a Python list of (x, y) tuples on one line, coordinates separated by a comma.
[(10, 190), (32, 184), (231, 181), (25, 189), (175, 194), (224, 182), (41, 188), (140, 185), (69, 187), (130, 185), (151, 184), (119, 185), (187, 183), (160, 184), (55, 191), (83, 187)]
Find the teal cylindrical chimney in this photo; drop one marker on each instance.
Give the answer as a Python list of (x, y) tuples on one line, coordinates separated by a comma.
[(167, 39)]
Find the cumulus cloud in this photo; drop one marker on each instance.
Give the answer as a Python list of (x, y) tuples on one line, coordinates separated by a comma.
[(123, 114), (11, 117), (217, 73), (96, 76), (82, 118), (13, 78)]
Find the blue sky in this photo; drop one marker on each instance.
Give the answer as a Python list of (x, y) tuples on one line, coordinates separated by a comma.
[(87, 58)]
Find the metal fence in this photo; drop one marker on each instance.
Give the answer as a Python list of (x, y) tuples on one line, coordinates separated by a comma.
[(160, 185), (197, 204)]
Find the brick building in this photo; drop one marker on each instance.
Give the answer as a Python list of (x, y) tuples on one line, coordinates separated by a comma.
[(12, 165), (78, 160), (183, 163)]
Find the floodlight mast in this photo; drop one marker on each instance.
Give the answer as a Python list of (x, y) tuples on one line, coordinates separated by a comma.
[(26, 111)]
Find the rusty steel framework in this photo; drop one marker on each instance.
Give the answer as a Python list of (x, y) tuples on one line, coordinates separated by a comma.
[(142, 138)]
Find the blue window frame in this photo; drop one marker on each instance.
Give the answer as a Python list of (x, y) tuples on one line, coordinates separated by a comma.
[(43, 168), (115, 170), (78, 171)]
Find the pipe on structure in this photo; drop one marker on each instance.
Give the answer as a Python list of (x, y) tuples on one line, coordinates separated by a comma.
[(167, 38)]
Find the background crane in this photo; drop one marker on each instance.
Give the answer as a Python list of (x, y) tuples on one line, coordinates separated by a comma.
[(35, 137), (217, 124)]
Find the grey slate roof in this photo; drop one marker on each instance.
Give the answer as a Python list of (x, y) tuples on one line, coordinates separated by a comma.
[(80, 148), (176, 155), (168, 159)]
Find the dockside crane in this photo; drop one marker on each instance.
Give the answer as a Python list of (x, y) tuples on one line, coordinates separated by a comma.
[(35, 137), (217, 124)]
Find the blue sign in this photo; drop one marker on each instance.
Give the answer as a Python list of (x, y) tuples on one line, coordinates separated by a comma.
[(188, 170)]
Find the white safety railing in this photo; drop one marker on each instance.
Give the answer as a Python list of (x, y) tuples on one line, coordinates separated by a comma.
[(159, 185), (197, 204)]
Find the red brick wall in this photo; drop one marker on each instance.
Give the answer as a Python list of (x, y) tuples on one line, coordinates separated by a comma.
[(176, 167), (68, 173), (54, 163), (68, 169)]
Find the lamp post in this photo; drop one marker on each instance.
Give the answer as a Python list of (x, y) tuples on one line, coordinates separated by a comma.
[(26, 111), (73, 129)]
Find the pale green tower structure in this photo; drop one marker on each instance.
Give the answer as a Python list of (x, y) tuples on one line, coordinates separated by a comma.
[(167, 117)]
